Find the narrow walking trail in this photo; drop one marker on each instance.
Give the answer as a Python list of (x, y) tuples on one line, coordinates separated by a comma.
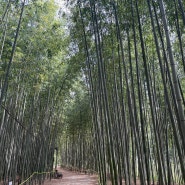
[(73, 178)]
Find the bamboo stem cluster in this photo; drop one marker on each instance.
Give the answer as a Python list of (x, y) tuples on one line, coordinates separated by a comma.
[(137, 100)]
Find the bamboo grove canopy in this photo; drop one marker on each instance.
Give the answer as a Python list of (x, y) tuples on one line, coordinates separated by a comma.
[(104, 81)]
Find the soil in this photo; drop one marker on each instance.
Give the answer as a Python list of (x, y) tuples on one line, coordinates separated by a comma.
[(76, 178), (73, 178)]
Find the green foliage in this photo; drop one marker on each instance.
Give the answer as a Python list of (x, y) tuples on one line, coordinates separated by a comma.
[(41, 76), (99, 91), (77, 110), (131, 85)]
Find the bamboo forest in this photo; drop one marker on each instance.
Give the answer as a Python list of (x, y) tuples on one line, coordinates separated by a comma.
[(92, 86)]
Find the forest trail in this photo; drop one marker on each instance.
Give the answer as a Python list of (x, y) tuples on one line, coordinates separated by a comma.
[(73, 178)]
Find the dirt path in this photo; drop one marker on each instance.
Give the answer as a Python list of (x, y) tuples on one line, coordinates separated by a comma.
[(73, 178)]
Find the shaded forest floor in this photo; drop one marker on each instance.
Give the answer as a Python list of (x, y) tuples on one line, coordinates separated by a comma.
[(76, 178), (73, 178)]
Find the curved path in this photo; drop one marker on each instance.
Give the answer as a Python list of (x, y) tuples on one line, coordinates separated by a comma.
[(73, 178)]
